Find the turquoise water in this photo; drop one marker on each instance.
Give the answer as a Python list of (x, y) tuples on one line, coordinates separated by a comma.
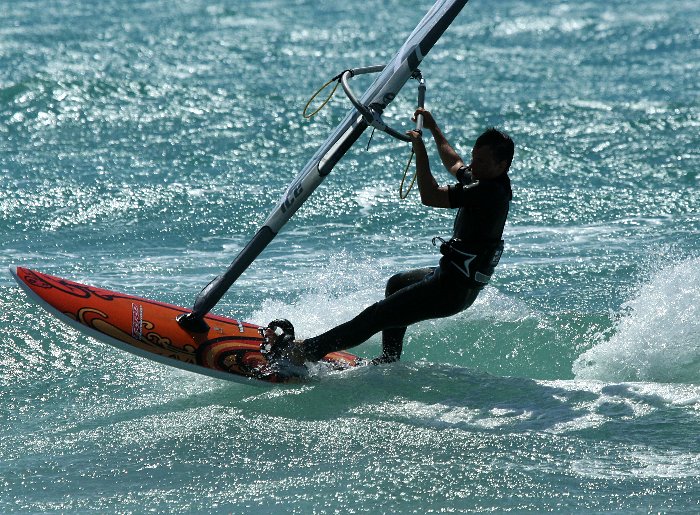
[(142, 143)]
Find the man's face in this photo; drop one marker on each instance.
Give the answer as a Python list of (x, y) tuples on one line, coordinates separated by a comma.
[(484, 165)]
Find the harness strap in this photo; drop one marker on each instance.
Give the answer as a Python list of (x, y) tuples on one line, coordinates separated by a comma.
[(476, 265)]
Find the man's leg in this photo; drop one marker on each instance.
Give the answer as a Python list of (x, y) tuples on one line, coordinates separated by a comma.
[(392, 338), (433, 296)]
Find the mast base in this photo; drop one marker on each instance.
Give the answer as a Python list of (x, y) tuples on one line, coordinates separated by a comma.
[(193, 324)]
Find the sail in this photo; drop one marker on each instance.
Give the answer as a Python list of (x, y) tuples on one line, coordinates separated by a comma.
[(379, 94)]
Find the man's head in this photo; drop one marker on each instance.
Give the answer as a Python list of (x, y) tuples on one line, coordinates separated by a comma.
[(492, 154)]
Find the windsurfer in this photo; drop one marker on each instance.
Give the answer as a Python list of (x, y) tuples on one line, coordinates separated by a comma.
[(482, 196)]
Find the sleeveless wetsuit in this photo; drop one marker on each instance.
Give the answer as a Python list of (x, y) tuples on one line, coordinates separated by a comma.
[(437, 292)]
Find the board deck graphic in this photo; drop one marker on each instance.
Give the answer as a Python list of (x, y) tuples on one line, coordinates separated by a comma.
[(230, 350)]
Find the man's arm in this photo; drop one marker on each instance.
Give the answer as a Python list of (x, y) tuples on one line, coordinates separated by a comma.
[(431, 193), (450, 158)]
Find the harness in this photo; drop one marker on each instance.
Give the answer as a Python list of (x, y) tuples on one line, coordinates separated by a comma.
[(475, 264)]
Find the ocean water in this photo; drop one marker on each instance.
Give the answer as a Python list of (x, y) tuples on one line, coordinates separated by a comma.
[(143, 142)]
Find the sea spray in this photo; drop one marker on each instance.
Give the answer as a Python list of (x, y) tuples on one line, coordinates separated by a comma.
[(658, 336)]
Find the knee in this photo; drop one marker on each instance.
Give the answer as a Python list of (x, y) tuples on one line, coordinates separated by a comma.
[(394, 284), (405, 279)]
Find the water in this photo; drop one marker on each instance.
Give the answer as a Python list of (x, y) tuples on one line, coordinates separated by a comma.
[(142, 143)]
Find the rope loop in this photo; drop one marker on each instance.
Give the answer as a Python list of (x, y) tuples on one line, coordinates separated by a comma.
[(403, 195), (323, 104)]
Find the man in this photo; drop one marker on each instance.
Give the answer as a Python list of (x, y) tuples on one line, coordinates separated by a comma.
[(482, 195)]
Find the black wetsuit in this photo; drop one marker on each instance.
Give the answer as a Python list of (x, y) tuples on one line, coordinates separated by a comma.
[(436, 292)]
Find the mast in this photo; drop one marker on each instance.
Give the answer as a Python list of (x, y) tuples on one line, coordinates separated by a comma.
[(381, 92)]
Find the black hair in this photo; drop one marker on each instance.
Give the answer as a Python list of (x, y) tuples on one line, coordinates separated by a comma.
[(500, 143)]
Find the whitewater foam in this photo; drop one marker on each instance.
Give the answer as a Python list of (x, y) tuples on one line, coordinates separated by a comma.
[(657, 337)]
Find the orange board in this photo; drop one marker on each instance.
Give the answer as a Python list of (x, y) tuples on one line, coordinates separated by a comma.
[(148, 328)]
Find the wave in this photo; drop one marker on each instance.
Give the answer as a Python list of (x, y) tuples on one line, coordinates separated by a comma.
[(657, 337)]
